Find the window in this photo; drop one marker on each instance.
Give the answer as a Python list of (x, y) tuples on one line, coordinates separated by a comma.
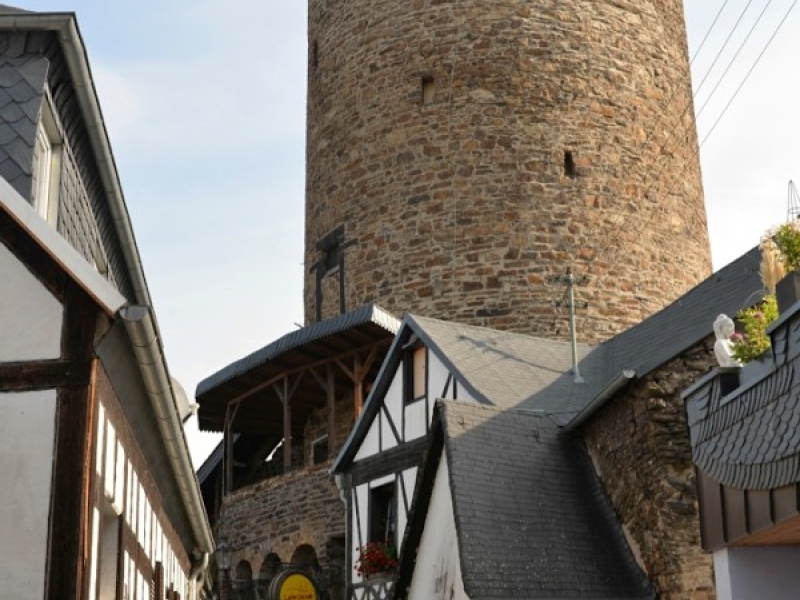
[(383, 514), (415, 369), (331, 247), (46, 167), (428, 90), (570, 170), (319, 450)]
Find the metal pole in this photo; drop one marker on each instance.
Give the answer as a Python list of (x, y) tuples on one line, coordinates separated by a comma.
[(572, 334)]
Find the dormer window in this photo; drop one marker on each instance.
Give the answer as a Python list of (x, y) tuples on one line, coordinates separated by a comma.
[(46, 167)]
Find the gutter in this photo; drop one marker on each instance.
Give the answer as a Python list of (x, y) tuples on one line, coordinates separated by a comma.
[(620, 381), (147, 348)]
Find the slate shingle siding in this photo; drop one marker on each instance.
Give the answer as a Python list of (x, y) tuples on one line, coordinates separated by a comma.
[(26, 59)]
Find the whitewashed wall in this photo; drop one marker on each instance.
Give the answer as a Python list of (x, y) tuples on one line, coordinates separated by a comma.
[(27, 437), (437, 573), (411, 420), (30, 316), (763, 573)]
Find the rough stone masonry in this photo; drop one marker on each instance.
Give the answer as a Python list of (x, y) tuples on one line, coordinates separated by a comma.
[(471, 150)]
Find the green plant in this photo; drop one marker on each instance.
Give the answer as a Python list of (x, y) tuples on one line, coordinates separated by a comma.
[(787, 242), (376, 557), (754, 341)]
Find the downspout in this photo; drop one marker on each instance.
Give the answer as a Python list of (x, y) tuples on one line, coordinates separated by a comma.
[(198, 574), (141, 330)]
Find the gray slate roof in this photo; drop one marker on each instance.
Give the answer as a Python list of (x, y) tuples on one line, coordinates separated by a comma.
[(518, 371), (508, 370), (532, 518)]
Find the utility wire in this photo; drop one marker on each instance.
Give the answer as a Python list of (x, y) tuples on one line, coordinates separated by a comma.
[(708, 33), (722, 49), (643, 226), (733, 60), (749, 72)]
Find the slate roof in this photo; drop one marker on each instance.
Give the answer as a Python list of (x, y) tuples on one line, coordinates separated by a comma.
[(508, 370), (512, 370), (532, 518)]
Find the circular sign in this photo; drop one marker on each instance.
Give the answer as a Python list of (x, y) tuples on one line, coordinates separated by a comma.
[(293, 584)]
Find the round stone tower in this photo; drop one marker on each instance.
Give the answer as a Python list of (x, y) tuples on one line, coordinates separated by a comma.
[(463, 154)]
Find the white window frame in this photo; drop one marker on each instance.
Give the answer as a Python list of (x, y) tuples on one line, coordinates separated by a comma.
[(47, 168)]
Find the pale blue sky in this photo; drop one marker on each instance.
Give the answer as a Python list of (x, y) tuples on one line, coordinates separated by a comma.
[(204, 101)]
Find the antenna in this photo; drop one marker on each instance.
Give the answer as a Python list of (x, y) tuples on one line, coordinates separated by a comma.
[(570, 279), (793, 203)]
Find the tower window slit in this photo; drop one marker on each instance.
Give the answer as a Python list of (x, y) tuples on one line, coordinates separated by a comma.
[(570, 170), (428, 90)]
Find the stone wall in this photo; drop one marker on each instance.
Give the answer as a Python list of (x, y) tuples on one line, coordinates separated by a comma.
[(279, 515), (303, 507), (639, 443), (548, 137)]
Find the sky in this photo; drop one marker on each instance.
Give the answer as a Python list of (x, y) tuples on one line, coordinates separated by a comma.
[(204, 102)]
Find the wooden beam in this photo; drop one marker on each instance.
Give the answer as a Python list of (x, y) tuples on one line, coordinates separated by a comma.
[(331, 392), (358, 391), (269, 382), (43, 375), (72, 461), (287, 428), (227, 457)]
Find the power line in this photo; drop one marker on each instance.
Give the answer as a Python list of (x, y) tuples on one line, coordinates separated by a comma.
[(733, 60), (678, 178)]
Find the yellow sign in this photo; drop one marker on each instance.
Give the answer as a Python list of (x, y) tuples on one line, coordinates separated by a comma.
[(297, 587)]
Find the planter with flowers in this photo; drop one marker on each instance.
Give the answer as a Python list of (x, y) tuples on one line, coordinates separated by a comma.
[(780, 273), (376, 559), (786, 240)]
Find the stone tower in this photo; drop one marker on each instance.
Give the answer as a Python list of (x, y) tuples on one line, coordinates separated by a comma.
[(463, 153)]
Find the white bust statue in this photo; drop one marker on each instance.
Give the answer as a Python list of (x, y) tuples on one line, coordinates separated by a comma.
[(723, 347)]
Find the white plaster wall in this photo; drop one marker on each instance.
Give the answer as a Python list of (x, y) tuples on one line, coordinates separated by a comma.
[(394, 407), (30, 316), (27, 433), (437, 379), (437, 573), (765, 573), (393, 400), (409, 479), (359, 525)]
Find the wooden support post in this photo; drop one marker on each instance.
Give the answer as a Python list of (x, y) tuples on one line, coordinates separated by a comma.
[(331, 392), (287, 427), (227, 456)]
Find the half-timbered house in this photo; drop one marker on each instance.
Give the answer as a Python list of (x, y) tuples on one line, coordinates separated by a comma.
[(100, 500), (618, 408)]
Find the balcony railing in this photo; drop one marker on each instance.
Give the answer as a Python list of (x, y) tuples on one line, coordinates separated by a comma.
[(374, 588)]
